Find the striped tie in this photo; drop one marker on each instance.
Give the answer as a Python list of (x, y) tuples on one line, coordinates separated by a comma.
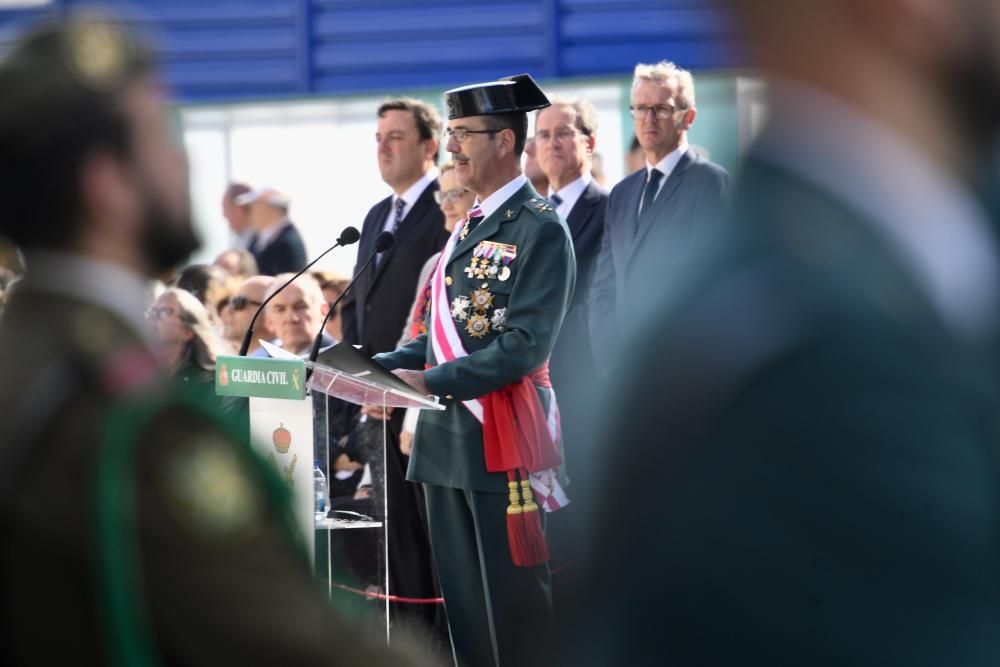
[(472, 218)]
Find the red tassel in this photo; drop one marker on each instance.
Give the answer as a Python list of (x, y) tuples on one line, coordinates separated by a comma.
[(524, 527), (536, 551)]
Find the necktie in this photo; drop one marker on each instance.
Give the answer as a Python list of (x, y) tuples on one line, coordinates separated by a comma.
[(400, 205), (649, 194), (556, 200)]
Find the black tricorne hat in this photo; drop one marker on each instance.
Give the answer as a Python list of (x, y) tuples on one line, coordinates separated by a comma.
[(506, 95)]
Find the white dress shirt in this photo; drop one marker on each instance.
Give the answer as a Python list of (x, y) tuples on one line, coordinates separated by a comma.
[(570, 194), (409, 198)]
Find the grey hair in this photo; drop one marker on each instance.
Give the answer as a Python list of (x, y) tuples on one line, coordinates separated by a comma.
[(660, 74), (203, 348)]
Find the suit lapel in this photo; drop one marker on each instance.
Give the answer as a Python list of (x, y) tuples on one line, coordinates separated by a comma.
[(646, 222), (367, 279), (623, 229), (582, 212), (406, 225)]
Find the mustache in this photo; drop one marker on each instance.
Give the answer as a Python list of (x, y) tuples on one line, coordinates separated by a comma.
[(459, 157)]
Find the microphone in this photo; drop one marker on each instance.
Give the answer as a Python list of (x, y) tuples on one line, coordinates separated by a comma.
[(383, 242), (347, 237)]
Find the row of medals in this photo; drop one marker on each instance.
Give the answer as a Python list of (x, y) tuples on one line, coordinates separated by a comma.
[(479, 323)]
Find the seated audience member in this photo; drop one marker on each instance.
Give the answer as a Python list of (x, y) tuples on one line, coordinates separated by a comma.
[(207, 282), (333, 285), (186, 346), (296, 313), (239, 311), (237, 262)]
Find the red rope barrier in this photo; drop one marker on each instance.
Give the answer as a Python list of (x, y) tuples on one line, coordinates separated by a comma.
[(390, 598), (405, 600)]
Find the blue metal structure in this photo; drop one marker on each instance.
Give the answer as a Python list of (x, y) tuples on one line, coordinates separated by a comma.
[(254, 49)]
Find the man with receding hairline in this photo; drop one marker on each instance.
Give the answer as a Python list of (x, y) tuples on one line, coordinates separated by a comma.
[(656, 214)]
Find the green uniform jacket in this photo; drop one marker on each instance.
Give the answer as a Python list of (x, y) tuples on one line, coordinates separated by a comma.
[(218, 577), (818, 475), (526, 312)]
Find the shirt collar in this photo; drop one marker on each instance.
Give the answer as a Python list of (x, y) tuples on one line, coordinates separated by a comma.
[(264, 237), (109, 286), (669, 162), (490, 205), (932, 221), (570, 193), (413, 192)]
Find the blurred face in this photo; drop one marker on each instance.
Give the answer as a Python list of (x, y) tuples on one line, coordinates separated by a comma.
[(236, 216), (229, 260), (455, 200), (477, 157), (165, 323), (532, 169), (295, 316), (660, 136), (159, 169), (564, 152), (402, 155)]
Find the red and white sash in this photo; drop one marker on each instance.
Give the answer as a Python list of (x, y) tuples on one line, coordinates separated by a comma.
[(447, 346)]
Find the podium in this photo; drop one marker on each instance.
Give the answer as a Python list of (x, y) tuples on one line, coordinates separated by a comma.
[(294, 408)]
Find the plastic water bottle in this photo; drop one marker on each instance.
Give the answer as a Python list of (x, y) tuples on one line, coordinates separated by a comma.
[(319, 482)]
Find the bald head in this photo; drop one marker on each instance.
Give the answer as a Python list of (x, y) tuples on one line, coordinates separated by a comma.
[(296, 313)]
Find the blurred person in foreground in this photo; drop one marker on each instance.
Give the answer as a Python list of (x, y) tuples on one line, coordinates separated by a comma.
[(137, 529), (820, 483)]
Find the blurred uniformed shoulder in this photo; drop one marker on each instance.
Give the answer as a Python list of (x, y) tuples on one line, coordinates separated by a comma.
[(203, 476)]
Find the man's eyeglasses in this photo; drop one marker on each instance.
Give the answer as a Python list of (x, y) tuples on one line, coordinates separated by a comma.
[(441, 196), (461, 134), (157, 313), (662, 111), (241, 302)]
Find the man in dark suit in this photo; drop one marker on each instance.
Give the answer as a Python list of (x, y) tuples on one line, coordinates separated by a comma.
[(565, 137), (407, 142), (814, 403), (374, 314), (656, 214), (276, 243), (156, 534), (497, 302)]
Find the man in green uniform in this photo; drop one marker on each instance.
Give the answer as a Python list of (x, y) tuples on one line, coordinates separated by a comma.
[(499, 295), (137, 529)]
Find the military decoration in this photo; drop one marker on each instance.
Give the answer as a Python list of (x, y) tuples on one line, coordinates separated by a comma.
[(477, 326), (499, 319), (492, 260), (460, 308), (482, 300)]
